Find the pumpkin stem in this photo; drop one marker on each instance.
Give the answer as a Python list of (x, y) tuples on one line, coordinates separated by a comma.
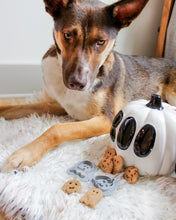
[(155, 102)]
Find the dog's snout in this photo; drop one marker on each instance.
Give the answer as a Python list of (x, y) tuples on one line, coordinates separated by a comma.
[(77, 83), (78, 79)]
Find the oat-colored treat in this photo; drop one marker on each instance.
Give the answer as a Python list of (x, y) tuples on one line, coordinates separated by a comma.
[(117, 164), (131, 174), (72, 186), (110, 152), (92, 197), (106, 165)]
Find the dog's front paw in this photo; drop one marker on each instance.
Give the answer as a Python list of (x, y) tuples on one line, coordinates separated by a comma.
[(20, 159)]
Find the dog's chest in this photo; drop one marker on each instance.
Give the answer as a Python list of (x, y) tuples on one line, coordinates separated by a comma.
[(75, 103)]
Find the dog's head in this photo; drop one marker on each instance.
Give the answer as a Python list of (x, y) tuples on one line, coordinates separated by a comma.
[(85, 35)]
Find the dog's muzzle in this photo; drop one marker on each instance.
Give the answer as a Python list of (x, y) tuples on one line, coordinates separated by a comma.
[(78, 79)]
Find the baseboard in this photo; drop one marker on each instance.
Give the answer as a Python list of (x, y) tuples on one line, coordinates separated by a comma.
[(15, 95), (18, 81)]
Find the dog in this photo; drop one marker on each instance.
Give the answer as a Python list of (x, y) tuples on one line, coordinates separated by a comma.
[(85, 78)]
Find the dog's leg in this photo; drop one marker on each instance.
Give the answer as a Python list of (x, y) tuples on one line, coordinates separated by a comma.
[(18, 111), (32, 153)]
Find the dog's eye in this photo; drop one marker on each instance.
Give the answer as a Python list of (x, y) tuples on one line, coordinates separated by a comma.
[(101, 42), (67, 36)]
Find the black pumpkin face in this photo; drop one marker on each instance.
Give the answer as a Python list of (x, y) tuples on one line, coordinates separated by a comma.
[(144, 140), (118, 118), (143, 133), (126, 133)]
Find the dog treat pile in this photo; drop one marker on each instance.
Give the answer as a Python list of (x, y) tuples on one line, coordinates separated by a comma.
[(111, 163)]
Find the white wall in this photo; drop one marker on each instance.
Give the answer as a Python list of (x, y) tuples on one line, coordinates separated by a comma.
[(140, 38), (26, 33)]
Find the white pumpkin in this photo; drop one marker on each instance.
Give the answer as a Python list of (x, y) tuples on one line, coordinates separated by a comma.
[(144, 134)]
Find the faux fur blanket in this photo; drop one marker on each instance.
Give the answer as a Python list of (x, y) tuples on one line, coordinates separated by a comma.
[(36, 194)]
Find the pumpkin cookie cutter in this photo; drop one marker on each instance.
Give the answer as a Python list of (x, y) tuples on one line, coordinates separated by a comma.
[(85, 171), (106, 184)]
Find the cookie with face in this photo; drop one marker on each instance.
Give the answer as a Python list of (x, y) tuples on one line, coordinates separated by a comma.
[(92, 197), (117, 164), (110, 152), (131, 174), (106, 165), (72, 186)]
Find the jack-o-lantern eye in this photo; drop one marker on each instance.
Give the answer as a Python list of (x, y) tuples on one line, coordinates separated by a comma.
[(113, 134), (126, 133), (118, 118), (144, 141)]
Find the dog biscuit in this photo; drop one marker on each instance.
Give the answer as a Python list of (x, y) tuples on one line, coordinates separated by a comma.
[(92, 197), (131, 174), (106, 165), (117, 164), (110, 152), (72, 186)]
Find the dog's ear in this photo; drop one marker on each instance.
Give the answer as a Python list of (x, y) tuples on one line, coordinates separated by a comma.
[(53, 7), (122, 13)]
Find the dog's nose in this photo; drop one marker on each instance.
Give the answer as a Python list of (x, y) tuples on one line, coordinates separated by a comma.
[(77, 83)]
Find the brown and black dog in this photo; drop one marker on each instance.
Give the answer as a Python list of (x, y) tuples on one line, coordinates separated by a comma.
[(85, 78)]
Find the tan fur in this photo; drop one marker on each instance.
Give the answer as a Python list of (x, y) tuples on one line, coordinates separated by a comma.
[(110, 62), (168, 89), (96, 103), (55, 135)]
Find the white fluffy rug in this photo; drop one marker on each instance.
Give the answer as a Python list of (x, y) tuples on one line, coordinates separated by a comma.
[(36, 193)]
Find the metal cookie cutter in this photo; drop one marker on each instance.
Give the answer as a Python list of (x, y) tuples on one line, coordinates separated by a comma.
[(106, 184), (83, 170)]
